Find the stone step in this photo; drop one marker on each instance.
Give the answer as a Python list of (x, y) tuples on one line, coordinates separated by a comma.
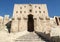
[(31, 37)]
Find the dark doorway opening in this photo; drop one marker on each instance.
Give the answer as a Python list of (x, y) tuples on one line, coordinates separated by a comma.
[(30, 23)]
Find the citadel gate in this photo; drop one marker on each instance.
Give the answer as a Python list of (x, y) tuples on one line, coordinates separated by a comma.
[(30, 23)]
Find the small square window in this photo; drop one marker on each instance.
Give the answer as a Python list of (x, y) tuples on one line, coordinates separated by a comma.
[(16, 11), (43, 11), (39, 7), (39, 11), (24, 11), (20, 11), (20, 7)]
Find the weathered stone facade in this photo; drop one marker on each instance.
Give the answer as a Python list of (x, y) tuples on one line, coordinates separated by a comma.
[(39, 13), (31, 17)]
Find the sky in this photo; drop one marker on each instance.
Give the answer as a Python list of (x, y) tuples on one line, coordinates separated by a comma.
[(7, 6)]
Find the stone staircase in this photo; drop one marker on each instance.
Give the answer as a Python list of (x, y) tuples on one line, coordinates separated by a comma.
[(31, 37)]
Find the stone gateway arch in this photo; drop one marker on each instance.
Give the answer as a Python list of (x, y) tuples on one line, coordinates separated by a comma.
[(30, 23)]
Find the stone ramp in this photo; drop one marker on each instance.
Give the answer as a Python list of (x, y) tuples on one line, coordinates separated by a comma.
[(31, 37)]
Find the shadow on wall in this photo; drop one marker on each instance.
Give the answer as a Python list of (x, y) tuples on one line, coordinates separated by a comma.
[(47, 38), (9, 26)]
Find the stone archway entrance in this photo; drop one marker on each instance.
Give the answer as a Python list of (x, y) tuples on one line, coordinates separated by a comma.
[(30, 23)]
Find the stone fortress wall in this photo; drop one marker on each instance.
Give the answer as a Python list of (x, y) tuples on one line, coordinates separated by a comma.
[(39, 12), (42, 21), (3, 21)]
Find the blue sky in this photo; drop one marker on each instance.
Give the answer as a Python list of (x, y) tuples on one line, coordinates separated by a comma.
[(6, 6)]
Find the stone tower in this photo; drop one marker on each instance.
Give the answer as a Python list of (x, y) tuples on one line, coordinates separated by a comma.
[(30, 17)]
